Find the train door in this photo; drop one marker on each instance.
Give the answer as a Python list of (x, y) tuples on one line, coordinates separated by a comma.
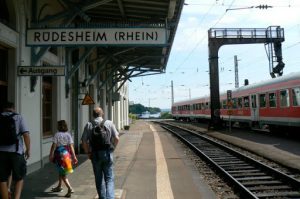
[(254, 108)]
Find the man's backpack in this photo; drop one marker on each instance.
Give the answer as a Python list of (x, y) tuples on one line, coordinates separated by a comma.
[(8, 135), (101, 138)]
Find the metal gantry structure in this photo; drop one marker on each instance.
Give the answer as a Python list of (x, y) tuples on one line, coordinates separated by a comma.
[(272, 37)]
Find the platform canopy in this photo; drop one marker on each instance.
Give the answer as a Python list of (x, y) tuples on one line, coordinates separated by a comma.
[(146, 13), (135, 60)]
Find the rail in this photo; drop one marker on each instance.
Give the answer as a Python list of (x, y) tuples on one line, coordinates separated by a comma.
[(251, 178)]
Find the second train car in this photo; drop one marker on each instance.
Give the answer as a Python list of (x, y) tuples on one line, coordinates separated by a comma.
[(273, 103)]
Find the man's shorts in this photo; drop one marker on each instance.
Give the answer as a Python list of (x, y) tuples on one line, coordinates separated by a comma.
[(12, 163)]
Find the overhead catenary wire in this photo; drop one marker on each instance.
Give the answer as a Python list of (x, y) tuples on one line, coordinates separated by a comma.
[(204, 37), (190, 55)]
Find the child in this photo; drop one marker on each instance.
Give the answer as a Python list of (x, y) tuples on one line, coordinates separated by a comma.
[(61, 153)]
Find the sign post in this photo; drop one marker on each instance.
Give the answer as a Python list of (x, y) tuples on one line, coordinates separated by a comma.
[(229, 106)]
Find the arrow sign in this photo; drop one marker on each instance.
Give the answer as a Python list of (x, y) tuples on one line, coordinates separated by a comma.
[(41, 70)]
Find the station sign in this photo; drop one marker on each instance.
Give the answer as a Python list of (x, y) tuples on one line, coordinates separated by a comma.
[(96, 36), (41, 70)]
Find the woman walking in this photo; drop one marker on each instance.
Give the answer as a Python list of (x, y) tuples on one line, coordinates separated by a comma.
[(61, 153)]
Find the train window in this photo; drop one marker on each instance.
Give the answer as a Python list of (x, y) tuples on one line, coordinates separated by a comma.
[(272, 99), (240, 102), (262, 100), (234, 103), (284, 98), (186, 107), (246, 101), (296, 96)]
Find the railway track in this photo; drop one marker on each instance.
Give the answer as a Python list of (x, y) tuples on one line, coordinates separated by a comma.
[(250, 178)]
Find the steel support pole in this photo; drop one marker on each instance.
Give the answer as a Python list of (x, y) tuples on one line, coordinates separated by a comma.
[(214, 85)]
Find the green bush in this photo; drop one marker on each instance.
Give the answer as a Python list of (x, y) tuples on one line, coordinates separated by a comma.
[(133, 116), (166, 115)]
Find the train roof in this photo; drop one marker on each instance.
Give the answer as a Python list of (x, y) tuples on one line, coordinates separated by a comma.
[(277, 80)]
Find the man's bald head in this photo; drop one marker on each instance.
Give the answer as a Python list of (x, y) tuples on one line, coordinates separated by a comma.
[(97, 112)]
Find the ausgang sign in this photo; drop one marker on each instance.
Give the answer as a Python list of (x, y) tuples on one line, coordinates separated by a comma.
[(96, 36), (41, 70)]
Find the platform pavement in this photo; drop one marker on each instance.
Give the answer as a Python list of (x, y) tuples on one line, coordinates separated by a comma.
[(135, 168), (37, 185)]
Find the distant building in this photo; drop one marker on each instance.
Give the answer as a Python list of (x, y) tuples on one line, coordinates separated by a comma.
[(156, 115), (145, 115)]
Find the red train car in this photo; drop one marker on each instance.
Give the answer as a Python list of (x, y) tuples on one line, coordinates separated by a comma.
[(274, 103)]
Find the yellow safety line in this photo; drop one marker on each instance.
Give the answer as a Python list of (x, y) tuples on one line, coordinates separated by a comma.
[(163, 185)]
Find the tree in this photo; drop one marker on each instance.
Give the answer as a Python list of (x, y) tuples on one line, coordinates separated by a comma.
[(153, 110), (137, 109), (166, 115)]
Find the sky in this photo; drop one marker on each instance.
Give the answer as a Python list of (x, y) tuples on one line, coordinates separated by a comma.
[(188, 61)]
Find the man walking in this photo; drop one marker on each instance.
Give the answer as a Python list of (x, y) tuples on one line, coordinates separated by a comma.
[(12, 155), (99, 139)]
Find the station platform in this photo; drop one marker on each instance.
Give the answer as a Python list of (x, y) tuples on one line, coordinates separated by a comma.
[(150, 163)]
